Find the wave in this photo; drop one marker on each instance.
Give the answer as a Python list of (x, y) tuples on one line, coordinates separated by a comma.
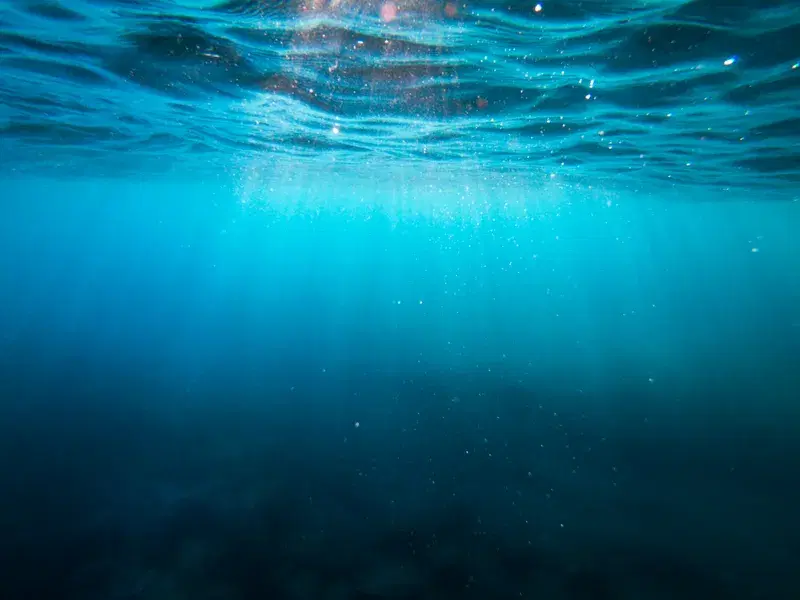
[(702, 93)]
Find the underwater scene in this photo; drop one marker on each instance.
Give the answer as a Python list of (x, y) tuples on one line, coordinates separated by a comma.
[(399, 300)]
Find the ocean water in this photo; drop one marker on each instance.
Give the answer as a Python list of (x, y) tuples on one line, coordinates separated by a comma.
[(399, 299)]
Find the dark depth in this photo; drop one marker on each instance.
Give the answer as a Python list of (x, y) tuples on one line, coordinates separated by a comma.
[(365, 485)]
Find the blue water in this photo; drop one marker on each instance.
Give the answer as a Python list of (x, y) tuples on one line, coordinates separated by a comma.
[(401, 299)]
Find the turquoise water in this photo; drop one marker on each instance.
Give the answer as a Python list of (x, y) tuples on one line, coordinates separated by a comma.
[(362, 300)]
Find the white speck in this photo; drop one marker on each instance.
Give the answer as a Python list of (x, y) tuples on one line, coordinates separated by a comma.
[(357, 424), (728, 62), (335, 130), (538, 8), (588, 96), (754, 250)]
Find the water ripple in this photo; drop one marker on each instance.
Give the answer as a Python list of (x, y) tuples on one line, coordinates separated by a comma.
[(691, 92)]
